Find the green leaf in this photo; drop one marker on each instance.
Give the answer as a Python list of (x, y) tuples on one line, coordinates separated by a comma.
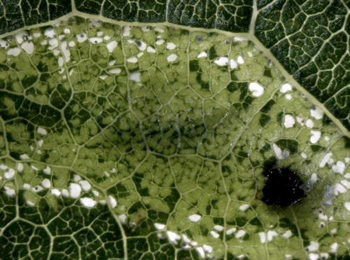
[(141, 129)]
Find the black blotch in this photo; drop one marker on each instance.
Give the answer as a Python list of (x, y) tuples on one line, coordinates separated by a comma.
[(283, 187)]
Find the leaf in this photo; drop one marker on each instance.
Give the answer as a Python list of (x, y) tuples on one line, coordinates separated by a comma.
[(119, 140)]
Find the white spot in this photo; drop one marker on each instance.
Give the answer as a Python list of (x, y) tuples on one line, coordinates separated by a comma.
[(136, 77), (71, 44), (172, 58), (346, 184), (243, 207), (160, 42), (256, 89), (313, 256), (203, 54), (112, 62), (288, 96), (334, 247), (173, 237), (55, 192), (112, 45), (74, 190), (214, 234), (309, 123), (99, 34), (122, 218), (46, 183), (195, 218), (29, 203), (231, 231), (20, 167), (85, 185), (65, 51), (300, 120), (96, 40), (66, 31), (81, 37), (315, 136), (76, 178), (286, 87), (26, 186), (14, 51), (44, 42), (222, 61), (37, 188), (106, 37), (339, 167), (88, 202), (347, 175), (3, 167), (159, 29), (24, 157), (316, 113), (334, 230), (289, 121), (239, 38), (240, 60), (313, 178), (65, 193), (326, 138), (112, 201), (36, 34), (347, 205), (240, 234), (53, 43), (271, 235), (325, 159), (126, 31), (132, 59), (208, 248), (262, 237), (9, 173), (28, 47), (47, 170), (95, 192), (56, 52), (250, 54), (141, 45), (303, 155), (170, 46), (287, 234), (60, 61), (201, 252), (50, 32), (115, 71), (233, 64), (313, 246), (219, 228), (103, 77), (10, 192), (151, 50), (159, 226), (34, 168), (279, 153), (338, 188)]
